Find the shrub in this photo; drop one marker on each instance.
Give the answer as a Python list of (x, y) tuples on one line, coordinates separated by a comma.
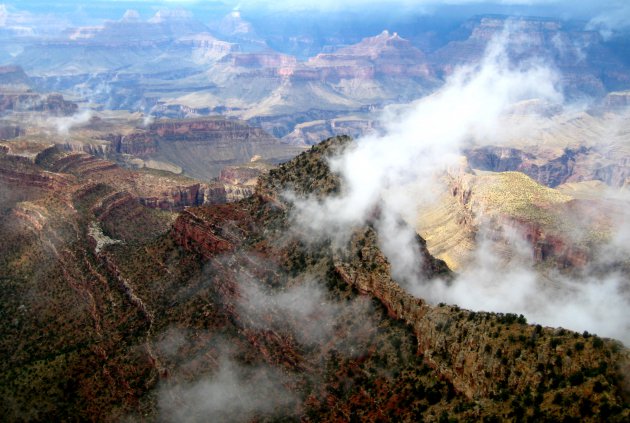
[(434, 395), (586, 407), (576, 378)]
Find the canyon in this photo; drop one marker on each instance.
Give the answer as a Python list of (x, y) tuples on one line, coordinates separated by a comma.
[(219, 69), (178, 242)]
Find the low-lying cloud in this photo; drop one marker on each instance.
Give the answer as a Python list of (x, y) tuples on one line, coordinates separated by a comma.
[(593, 299), (233, 394), (63, 125), (421, 142), (612, 20)]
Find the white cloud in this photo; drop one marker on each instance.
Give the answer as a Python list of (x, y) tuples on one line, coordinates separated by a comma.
[(424, 139), (23, 22), (614, 19), (4, 13)]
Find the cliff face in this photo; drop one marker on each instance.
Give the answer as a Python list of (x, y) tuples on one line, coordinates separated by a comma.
[(262, 60), (52, 170), (219, 133), (311, 133), (53, 104), (13, 78), (586, 64), (10, 132), (201, 147), (15, 170), (385, 55), (481, 353), (134, 144), (152, 189), (573, 165), (506, 203)]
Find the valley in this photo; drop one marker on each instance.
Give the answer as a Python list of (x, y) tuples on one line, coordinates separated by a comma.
[(373, 211)]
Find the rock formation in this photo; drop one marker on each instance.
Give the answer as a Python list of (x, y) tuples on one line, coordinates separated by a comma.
[(586, 64)]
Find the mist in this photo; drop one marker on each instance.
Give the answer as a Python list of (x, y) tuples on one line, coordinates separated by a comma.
[(301, 315), (63, 125), (305, 311), (594, 299), (397, 172), (612, 20), (234, 393)]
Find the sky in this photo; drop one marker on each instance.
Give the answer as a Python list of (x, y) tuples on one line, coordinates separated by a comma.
[(576, 8), (609, 17)]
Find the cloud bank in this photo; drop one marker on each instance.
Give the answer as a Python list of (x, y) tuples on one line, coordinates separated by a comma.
[(396, 172)]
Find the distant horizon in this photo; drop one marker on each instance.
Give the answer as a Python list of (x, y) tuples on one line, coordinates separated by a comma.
[(365, 17)]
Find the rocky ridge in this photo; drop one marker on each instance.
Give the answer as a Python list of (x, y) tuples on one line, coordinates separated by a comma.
[(500, 205), (484, 355), (52, 104)]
